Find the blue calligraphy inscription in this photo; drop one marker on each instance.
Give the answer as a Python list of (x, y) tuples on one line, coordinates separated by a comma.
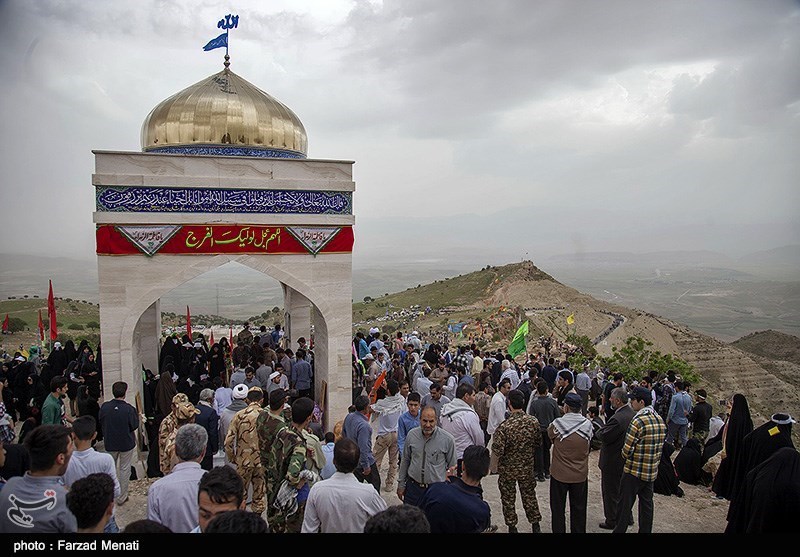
[(218, 200), (228, 151)]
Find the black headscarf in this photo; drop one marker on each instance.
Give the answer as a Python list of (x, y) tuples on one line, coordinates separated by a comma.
[(769, 500), (667, 480), (688, 463), (738, 426)]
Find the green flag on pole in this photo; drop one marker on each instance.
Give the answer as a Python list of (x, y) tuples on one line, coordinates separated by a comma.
[(517, 345)]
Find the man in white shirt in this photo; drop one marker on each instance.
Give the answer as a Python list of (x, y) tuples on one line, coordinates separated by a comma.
[(328, 499), (85, 460), (388, 411), (461, 420), (510, 373), (497, 408)]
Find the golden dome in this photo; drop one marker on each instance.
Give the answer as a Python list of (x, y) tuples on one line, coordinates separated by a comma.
[(224, 114)]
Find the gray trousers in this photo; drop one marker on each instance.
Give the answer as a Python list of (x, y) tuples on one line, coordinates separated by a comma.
[(677, 430), (123, 459)]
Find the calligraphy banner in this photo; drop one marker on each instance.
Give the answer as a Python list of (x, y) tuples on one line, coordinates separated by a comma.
[(217, 239), (220, 200)]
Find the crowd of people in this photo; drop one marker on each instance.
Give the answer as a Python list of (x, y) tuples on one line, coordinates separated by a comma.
[(444, 418)]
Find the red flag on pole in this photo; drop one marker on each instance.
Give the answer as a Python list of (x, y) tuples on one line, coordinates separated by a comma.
[(51, 313), (188, 323), (41, 327), (212, 337), (5, 325)]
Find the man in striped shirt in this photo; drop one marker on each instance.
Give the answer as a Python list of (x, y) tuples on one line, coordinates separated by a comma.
[(641, 453)]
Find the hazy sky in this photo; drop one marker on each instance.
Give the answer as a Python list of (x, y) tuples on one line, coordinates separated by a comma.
[(479, 129)]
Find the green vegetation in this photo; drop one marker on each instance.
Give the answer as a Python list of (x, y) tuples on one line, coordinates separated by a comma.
[(635, 359), (586, 350)]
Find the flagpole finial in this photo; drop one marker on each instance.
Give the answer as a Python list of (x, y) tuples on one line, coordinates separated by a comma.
[(227, 62)]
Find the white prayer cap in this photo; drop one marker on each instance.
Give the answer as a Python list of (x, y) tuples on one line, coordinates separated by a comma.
[(274, 374), (783, 419)]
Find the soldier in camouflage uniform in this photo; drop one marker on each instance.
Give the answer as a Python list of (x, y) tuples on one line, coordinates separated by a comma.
[(289, 453), (268, 425), (184, 414), (514, 444), (242, 448), (168, 426)]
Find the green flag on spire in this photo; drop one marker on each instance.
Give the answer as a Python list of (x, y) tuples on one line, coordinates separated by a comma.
[(517, 345)]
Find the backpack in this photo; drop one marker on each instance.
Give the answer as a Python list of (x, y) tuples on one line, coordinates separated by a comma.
[(662, 404)]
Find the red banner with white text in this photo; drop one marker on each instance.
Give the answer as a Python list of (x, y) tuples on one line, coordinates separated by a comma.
[(217, 239)]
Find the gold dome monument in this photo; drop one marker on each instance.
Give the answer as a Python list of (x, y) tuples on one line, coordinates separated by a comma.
[(224, 114)]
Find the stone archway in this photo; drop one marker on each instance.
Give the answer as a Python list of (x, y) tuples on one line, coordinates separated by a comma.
[(145, 250)]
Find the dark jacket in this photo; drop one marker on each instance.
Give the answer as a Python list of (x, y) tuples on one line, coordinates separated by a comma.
[(119, 421), (613, 437), (209, 419)]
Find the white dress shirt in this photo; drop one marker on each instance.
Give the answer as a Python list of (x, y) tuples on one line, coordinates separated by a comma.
[(497, 412), (512, 375), (340, 504)]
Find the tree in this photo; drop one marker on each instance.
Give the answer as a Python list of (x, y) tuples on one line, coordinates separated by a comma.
[(585, 352), (635, 359), (93, 325), (75, 327), (367, 299), (15, 325)]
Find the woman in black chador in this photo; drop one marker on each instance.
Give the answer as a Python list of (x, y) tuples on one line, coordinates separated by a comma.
[(739, 424)]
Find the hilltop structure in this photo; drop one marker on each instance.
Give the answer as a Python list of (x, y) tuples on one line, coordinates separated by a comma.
[(224, 176)]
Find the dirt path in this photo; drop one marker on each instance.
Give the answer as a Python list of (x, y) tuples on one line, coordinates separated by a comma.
[(696, 512)]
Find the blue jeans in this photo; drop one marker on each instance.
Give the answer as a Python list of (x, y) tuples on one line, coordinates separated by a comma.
[(413, 494), (111, 527)]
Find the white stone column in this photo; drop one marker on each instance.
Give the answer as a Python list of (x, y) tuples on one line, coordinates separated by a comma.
[(113, 313), (332, 356)]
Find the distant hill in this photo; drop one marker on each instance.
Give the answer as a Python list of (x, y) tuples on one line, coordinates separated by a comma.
[(771, 344), (783, 256)]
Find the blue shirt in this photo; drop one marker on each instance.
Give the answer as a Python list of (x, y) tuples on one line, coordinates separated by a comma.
[(679, 408), (406, 423), (329, 469), (363, 348), (301, 375), (356, 427)]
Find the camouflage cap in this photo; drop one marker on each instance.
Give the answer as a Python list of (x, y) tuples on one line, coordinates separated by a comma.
[(179, 398), (186, 410)]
